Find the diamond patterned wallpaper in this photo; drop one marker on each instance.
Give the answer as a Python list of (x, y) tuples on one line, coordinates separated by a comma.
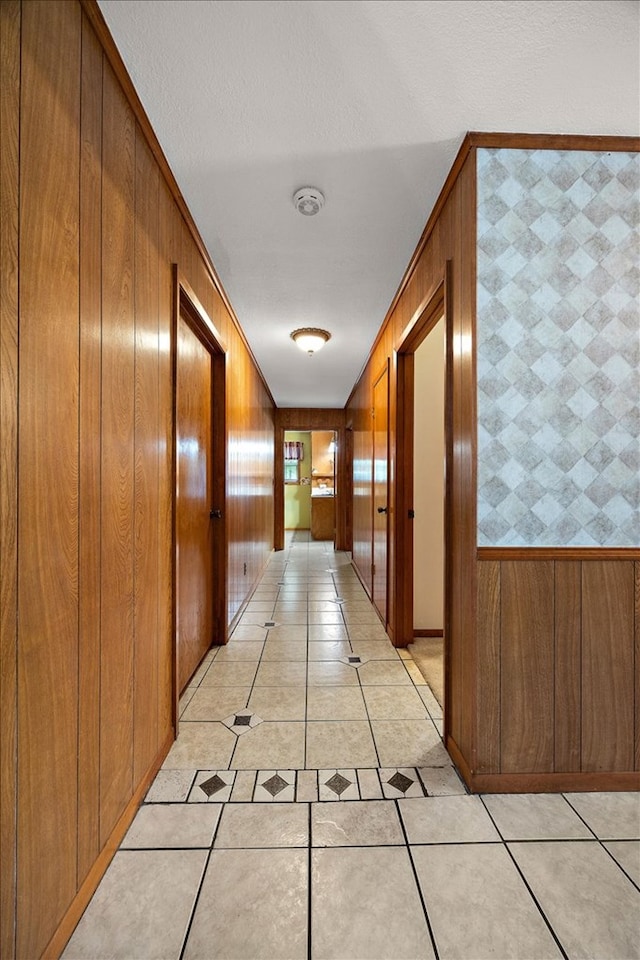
[(558, 348)]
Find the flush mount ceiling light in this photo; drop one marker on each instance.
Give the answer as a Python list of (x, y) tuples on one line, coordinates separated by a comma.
[(310, 339), (308, 201)]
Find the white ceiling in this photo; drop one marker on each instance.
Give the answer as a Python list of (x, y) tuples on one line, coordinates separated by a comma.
[(368, 100)]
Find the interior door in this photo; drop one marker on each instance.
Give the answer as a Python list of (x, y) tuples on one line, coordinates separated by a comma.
[(194, 524), (380, 492)]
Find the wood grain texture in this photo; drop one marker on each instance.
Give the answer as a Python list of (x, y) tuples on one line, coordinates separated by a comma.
[(89, 438), (463, 457), (558, 553), (9, 178), (541, 141), (98, 235), (48, 469), (637, 664), (489, 668), (402, 587), (568, 664), (147, 464), (527, 667), (167, 678), (117, 503), (553, 782), (381, 499), (608, 689), (362, 488), (194, 529)]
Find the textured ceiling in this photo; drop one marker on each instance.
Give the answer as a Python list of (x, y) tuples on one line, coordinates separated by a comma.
[(369, 101)]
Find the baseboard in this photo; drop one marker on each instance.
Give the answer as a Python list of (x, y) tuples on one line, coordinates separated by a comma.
[(428, 633), (459, 761), (87, 889), (600, 782), (606, 782)]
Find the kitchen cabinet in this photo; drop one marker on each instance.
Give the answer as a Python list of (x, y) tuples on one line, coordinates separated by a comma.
[(322, 453), (323, 517)]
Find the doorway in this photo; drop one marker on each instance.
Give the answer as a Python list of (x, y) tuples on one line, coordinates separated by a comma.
[(428, 501), (424, 454), (199, 475), (310, 483), (315, 423)]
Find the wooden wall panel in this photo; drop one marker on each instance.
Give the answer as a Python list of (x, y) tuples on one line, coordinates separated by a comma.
[(566, 601), (608, 695), (527, 667), (565, 638), (90, 456), (147, 464), (9, 180), (489, 664), (48, 469), (363, 489), (637, 664), (168, 255), (89, 679), (118, 371)]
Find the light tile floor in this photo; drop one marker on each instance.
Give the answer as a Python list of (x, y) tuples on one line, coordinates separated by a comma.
[(308, 809)]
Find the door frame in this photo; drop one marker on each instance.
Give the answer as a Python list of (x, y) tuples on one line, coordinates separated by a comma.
[(384, 371), (187, 305), (311, 419), (435, 306)]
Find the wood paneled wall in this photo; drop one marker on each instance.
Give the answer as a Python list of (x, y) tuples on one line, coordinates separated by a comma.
[(542, 655), (558, 673), (90, 228)]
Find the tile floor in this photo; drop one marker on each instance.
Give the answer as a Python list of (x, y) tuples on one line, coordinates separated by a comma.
[(308, 809)]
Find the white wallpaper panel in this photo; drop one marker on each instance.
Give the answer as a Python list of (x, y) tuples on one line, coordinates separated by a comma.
[(558, 344)]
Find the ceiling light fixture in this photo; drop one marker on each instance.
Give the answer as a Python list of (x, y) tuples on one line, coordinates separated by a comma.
[(310, 339), (308, 201)]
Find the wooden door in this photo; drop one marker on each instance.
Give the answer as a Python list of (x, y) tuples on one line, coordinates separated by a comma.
[(380, 492), (194, 525)]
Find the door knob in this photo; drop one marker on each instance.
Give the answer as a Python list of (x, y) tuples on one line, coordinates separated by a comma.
[(215, 514), (382, 509)]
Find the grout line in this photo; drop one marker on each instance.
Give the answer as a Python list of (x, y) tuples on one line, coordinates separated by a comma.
[(602, 841), (309, 886), (196, 899), (505, 844), (417, 881)]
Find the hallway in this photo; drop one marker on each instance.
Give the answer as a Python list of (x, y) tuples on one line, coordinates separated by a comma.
[(309, 809)]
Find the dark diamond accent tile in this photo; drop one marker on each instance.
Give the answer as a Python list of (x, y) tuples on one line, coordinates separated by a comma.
[(242, 720), (354, 659), (269, 623), (399, 782), (275, 784), (338, 783), (212, 785)]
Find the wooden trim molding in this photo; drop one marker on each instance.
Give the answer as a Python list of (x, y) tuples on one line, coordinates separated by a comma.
[(552, 141), (554, 782), (438, 632), (512, 141), (558, 553)]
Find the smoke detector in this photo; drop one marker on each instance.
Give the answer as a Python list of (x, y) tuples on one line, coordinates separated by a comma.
[(308, 201)]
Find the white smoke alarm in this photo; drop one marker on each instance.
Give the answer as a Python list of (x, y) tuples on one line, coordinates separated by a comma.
[(308, 201)]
